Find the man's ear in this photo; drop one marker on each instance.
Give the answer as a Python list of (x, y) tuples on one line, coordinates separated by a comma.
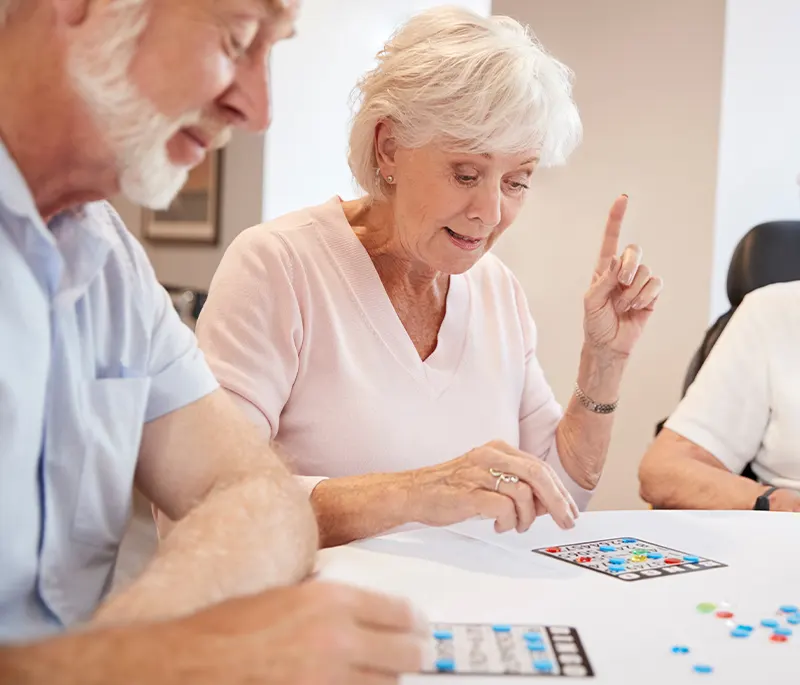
[(385, 147), (71, 12)]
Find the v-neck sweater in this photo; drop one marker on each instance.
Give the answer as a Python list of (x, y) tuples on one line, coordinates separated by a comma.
[(299, 329)]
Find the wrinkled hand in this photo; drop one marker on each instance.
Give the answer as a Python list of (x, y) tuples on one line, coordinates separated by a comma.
[(310, 634), (464, 488), (623, 292)]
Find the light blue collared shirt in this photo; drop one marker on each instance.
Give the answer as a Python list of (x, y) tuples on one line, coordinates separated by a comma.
[(90, 350)]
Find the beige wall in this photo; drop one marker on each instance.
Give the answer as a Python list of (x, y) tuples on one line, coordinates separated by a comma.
[(648, 86), (242, 184)]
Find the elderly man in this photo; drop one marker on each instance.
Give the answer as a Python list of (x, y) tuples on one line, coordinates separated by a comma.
[(101, 386), (741, 410)]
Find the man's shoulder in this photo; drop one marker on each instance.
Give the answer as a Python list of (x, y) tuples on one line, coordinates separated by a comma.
[(773, 309), (774, 298)]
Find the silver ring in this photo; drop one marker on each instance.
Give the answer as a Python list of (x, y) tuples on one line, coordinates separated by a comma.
[(502, 478)]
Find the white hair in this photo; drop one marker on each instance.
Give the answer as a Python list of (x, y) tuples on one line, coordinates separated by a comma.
[(470, 83), (133, 127)]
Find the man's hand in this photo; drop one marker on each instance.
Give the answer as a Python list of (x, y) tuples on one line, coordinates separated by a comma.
[(314, 633), (309, 634)]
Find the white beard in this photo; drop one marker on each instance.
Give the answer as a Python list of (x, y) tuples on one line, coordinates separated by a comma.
[(134, 129)]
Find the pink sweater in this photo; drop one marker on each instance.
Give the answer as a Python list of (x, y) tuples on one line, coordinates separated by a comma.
[(300, 331)]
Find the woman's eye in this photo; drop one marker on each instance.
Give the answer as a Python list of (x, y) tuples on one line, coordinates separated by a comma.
[(517, 186), (466, 179)]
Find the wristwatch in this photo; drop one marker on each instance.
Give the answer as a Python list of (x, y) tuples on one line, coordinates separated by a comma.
[(762, 501)]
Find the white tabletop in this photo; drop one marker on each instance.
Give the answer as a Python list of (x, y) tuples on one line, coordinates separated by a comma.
[(469, 574)]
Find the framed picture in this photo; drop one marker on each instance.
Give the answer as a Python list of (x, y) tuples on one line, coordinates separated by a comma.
[(193, 216)]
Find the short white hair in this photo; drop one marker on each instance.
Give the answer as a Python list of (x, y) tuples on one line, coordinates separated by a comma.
[(471, 83)]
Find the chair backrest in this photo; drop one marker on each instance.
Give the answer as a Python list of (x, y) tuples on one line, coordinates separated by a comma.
[(768, 253)]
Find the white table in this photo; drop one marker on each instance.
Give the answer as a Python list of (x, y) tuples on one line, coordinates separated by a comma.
[(469, 574)]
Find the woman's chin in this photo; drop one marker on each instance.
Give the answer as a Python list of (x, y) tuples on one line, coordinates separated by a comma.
[(460, 264)]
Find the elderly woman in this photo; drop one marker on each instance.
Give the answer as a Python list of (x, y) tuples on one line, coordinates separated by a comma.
[(381, 344)]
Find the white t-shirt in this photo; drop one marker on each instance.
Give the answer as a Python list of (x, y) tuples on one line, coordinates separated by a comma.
[(744, 404)]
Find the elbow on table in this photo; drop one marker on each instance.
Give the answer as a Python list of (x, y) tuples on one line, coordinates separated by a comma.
[(654, 480)]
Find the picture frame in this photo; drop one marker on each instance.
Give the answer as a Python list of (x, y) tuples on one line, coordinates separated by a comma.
[(194, 215)]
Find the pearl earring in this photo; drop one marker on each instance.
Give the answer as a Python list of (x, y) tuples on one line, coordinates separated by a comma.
[(390, 179)]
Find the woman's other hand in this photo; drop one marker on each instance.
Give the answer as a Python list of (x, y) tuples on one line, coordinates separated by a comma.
[(623, 292)]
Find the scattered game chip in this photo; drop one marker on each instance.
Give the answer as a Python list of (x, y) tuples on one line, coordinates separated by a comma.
[(724, 614), (789, 609), (680, 649), (445, 665), (501, 629), (738, 632), (769, 623), (442, 635), (702, 668), (793, 620), (629, 541), (536, 647), (655, 555), (778, 638), (749, 629), (584, 560), (671, 560), (688, 558), (786, 632), (706, 607), (543, 665), (554, 550), (608, 548)]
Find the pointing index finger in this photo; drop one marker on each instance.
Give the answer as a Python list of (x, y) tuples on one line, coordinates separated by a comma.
[(610, 245)]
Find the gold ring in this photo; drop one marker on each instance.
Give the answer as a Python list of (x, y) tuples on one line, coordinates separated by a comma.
[(502, 478)]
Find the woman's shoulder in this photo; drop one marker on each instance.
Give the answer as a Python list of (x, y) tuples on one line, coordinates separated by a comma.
[(293, 236)]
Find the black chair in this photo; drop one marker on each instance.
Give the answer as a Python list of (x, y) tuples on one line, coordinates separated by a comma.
[(769, 253)]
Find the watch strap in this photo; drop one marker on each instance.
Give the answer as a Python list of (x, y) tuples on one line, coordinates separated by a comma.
[(762, 501)]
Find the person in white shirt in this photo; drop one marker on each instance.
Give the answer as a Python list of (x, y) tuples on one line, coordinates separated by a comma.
[(743, 408)]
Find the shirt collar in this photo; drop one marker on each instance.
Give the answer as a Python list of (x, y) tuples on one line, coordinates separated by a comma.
[(79, 239), (15, 194)]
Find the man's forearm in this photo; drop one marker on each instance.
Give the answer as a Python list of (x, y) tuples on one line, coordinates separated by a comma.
[(671, 479), (244, 537), (693, 485)]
